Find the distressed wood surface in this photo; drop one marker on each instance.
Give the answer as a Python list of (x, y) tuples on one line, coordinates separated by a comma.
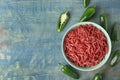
[(30, 46)]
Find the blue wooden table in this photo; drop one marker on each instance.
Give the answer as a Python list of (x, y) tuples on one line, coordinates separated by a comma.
[(30, 46)]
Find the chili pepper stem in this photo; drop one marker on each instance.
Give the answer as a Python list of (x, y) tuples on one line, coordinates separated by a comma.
[(86, 3), (60, 65), (83, 19), (67, 11), (94, 6), (102, 71), (58, 30)]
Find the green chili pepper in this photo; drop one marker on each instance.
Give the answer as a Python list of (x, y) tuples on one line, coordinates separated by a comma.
[(115, 33), (89, 12), (115, 57), (97, 76), (86, 3), (68, 71), (103, 21), (63, 20)]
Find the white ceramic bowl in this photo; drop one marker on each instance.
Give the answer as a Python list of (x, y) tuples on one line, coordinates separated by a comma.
[(106, 56)]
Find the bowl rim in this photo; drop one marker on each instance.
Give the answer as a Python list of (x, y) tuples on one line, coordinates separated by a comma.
[(105, 59)]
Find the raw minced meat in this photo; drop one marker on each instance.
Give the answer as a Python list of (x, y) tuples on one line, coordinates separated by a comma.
[(85, 45)]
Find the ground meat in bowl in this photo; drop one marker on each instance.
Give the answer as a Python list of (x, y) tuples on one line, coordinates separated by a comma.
[(85, 45)]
